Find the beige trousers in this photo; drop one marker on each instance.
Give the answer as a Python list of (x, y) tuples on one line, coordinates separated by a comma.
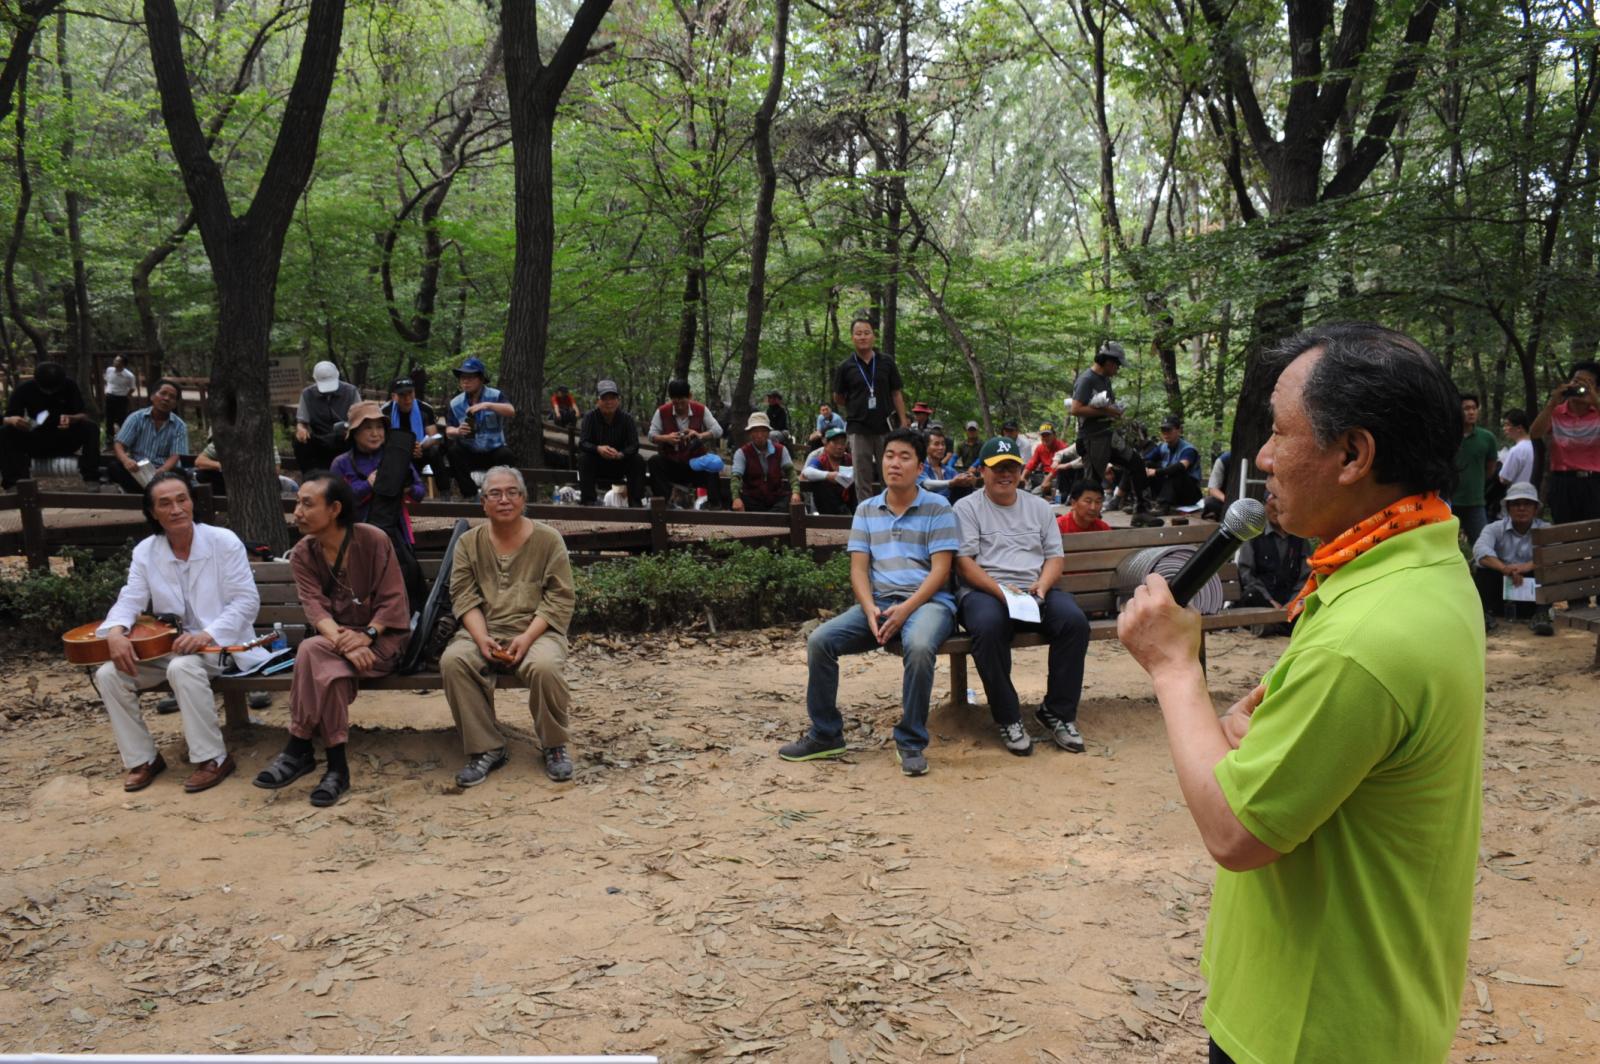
[(190, 679), (469, 689)]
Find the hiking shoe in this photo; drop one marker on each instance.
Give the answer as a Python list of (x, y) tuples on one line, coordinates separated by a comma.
[(479, 766), (557, 765), (809, 748), (1145, 519), (1064, 733), (912, 762), (1490, 622), (1015, 736), (258, 699), (1541, 625)]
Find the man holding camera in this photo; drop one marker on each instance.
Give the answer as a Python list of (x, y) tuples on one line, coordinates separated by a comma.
[(1572, 421)]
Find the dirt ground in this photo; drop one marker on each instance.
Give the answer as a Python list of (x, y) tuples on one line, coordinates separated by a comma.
[(690, 895)]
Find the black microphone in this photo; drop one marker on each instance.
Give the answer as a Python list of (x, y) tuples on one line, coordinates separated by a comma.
[(1245, 519)]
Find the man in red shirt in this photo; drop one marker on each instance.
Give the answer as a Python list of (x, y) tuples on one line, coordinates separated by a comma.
[(1042, 460), (1086, 499)]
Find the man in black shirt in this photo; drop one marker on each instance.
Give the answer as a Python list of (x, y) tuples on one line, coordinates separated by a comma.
[(405, 411), (608, 448), (1272, 568), (866, 386), (1094, 404), (45, 418), (778, 415)]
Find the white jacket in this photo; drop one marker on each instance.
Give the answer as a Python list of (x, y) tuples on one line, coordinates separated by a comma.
[(215, 583)]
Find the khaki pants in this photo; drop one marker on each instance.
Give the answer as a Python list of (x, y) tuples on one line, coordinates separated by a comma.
[(469, 689), (190, 678)]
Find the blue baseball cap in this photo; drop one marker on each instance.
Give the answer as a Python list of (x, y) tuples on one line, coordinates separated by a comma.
[(472, 365)]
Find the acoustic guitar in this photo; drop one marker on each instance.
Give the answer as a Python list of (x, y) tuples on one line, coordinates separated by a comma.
[(151, 638)]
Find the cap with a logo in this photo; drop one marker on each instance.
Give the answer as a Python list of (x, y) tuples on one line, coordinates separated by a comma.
[(1112, 350), (402, 385), (999, 449), (757, 421), (360, 413), (326, 374), (472, 365), (1522, 491), (1047, 427), (605, 388)]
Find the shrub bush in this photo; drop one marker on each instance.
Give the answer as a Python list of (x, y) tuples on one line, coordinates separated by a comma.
[(742, 586), (39, 605)]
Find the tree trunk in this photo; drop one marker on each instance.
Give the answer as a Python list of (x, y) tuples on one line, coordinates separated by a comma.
[(19, 223), (24, 27), (534, 89), (755, 303), (78, 289), (958, 337)]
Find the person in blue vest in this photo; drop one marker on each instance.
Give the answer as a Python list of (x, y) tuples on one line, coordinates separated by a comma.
[(763, 473), (1174, 475), (475, 427)]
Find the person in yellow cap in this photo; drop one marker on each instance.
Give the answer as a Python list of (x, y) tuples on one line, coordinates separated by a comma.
[(1042, 460)]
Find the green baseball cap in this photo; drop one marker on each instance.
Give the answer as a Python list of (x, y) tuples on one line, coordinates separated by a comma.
[(999, 449)]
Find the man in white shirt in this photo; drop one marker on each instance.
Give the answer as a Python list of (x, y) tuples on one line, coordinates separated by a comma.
[(121, 384), (199, 574), (1516, 465)]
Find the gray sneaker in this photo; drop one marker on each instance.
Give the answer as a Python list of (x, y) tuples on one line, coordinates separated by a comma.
[(1541, 624), (479, 766), (557, 765), (1063, 733), (809, 748), (912, 762), (1015, 736)]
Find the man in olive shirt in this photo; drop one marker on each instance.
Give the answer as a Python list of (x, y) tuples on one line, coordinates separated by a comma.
[(866, 387), (1341, 797), (1476, 460)]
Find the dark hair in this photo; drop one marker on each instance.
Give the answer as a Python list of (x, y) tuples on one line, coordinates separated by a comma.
[(335, 489), (677, 388), (863, 318), (1082, 486), (931, 433), (49, 375), (1472, 396), (1517, 417), (166, 382), (775, 395), (917, 440), (1587, 365), (147, 503), (1381, 380)]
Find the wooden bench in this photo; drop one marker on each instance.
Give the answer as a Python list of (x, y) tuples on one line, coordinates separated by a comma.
[(1091, 577), (1566, 564)]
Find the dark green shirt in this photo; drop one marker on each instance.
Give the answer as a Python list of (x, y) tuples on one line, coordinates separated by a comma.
[(1478, 449)]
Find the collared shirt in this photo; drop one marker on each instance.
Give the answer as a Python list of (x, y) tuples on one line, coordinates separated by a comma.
[(512, 589), (120, 381), (488, 427), (902, 548), (1473, 455), (1363, 768), (211, 591), (935, 476), (1501, 541), (151, 442), (832, 421), (681, 424), (1517, 463), (868, 389), (323, 411), (1574, 440), (1273, 564)]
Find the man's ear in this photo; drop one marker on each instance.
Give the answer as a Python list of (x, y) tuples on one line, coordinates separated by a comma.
[(1360, 452)]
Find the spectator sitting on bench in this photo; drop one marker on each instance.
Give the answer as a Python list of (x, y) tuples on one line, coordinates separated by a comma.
[(939, 467), (378, 503), (1215, 501), (45, 419), (208, 470), (1010, 544), (778, 418), (608, 448), (475, 434), (827, 419), (405, 411), (1273, 567), (763, 473), (349, 583), (319, 418), (901, 543), (831, 493), (563, 407), (682, 429), (199, 574), (511, 589), (1039, 469), (1085, 501), (1174, 475), (1504, 554), (154, 434)]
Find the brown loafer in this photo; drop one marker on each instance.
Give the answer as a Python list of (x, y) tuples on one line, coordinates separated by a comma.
[(209, 775), (141, 777)]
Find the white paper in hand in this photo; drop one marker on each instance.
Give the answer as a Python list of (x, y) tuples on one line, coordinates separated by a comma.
[(1519, 594), (1021, 605), (41, 417), (846, 474)]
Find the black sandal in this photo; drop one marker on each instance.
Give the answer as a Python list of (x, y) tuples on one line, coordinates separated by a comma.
[(330, 790), (284, 770)]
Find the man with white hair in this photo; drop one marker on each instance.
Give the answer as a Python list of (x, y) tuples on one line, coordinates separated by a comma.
[(511, 588), (319, 418)]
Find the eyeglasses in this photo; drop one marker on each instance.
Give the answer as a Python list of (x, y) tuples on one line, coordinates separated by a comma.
[(498, 494)]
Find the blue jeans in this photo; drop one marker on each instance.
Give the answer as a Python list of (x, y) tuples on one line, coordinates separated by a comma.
[(1064, 627), (849, 633)]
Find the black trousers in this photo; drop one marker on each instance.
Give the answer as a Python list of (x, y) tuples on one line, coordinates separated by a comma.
[(1060, 621), (1216, 1055), (664, 473), (19, 447), (1492, 593), (828, 498), (756, 504), (594, 471), (316, 454), (464, 462), (1173, 486), (1101, 451), (116, 413)]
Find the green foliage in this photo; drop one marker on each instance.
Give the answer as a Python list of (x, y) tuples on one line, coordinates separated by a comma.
[(741, 586), (37, 606)]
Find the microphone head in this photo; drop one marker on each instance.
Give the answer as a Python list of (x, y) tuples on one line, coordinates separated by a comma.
[(1245, 519)]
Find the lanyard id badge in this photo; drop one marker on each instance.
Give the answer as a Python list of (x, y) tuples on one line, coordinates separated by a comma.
[(871, 382)]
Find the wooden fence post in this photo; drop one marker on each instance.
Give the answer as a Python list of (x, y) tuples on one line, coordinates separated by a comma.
[(659, 540), (33, 544), (797, 525)]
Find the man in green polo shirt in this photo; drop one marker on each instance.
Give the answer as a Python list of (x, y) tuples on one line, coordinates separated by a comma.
[(1476, 460), (1342, 797)]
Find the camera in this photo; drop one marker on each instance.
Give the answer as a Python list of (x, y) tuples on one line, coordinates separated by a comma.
[(1578, 389)]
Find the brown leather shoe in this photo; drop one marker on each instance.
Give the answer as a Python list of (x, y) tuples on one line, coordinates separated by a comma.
[(209, 775), (141, 777)]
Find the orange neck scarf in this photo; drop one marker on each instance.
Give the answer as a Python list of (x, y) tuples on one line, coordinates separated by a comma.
[(1402, 515)]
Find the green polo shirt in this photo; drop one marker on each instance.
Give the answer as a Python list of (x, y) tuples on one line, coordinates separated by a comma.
[(1472, 464), (1363, 767)]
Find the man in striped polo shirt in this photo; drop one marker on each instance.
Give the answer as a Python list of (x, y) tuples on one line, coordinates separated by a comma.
[(901, 545)]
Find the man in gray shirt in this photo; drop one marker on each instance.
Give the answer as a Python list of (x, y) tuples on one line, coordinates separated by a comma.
[(319, 418), (1010, 542)]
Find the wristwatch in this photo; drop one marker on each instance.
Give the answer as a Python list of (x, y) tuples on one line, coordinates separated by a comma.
[(372, 633)]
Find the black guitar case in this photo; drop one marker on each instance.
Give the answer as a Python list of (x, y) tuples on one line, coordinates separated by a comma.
[(437, 602), (388, 500)]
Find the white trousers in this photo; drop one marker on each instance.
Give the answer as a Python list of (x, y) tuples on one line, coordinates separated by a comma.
[(190, 678)]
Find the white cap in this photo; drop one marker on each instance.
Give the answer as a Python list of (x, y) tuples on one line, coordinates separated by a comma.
[(326, 374), (1522, 491)]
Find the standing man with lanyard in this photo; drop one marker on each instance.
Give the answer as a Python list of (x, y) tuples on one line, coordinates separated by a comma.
[(1341, 797), (866, 386)]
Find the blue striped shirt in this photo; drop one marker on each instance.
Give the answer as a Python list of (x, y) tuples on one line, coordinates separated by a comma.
[(144, 439), (902, 548)]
